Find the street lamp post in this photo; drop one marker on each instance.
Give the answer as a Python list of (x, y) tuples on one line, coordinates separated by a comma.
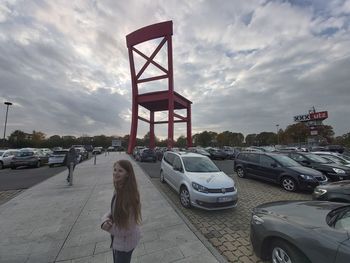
[(278, 141), (7, 103)]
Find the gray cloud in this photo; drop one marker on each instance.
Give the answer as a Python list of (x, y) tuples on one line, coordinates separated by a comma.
[(246, 66)]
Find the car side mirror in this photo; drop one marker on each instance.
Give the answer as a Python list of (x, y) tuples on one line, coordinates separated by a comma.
[(305, 162), (274, 165)]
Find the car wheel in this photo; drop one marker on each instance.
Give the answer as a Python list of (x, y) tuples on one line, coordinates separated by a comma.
[(282, 252), (185, 197), (37, 164), (289, 184), (240, 172), (161, 178), (1, 166)]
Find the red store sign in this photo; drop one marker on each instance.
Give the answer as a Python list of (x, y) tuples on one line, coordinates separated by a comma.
[(319, 115)]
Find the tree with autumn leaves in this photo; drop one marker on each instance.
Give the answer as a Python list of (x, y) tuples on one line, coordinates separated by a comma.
[(293, 134)]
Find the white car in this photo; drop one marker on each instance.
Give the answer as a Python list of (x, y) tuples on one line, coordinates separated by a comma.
[(198, 181), (57, 157), (46, 151), (97, 150), (6, 157)]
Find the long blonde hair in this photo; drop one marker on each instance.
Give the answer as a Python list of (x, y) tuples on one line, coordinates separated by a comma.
[(127, 203)]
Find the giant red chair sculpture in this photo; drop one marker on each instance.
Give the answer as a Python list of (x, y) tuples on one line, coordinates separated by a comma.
[(167, 100)]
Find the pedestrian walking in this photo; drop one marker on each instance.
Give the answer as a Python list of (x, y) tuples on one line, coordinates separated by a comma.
[(124, 218), (71, 157)]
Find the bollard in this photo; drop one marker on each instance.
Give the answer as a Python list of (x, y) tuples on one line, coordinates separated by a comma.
[(95, 159), (71, 167)]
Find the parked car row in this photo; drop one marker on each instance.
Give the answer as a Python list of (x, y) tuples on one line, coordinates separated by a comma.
[(301, 231), (293, 170), (36, 157), (6, 157), (29, 157), (278, 169), (283, 231)]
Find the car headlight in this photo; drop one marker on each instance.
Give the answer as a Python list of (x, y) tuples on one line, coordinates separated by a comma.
[(199, 188), (306, 177), (319, 191), (257, 220), (338, 171)]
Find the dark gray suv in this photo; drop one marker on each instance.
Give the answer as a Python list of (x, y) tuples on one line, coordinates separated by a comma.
[(279, 169)]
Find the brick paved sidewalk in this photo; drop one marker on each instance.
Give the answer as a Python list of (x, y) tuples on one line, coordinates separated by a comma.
[(228, 230)]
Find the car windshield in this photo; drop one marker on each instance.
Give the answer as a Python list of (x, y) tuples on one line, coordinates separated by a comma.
[(199, 165), (1, 153), (345, 157), (317, 159), (335, 159), (286, 161), (340, 218), (201, 151)]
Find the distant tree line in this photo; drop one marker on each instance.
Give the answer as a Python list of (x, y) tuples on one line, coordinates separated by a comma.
[(293, 134), (37, 139)]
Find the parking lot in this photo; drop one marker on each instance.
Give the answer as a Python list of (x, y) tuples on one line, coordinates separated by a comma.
[(12, 182), (228, 230)]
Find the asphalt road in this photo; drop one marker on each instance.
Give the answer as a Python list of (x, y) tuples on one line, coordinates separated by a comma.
[(23, 178)]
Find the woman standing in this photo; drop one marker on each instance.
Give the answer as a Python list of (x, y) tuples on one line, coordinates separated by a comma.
[(123, 221)]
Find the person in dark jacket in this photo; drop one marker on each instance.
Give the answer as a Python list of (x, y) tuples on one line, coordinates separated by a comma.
[(71, 157)]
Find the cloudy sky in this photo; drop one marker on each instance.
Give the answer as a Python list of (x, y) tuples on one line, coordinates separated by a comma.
[(245, 65)]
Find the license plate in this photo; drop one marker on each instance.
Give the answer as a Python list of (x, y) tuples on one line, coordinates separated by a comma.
[(225, 199)]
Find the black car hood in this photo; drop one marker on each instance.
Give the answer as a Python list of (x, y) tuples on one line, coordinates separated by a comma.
[(305, 170), (310, 214), (340, 185), (333, 165)]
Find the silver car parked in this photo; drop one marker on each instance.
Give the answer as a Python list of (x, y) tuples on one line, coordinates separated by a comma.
[(6, 157), (199, 182)]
